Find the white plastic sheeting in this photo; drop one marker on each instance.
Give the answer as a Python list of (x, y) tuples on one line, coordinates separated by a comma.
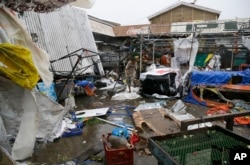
[(111, 84), (50, 116), (17, 34), (26, 137), (126, 95), (179, 113), (246, 42), (27, 115), (185, 50), (146, 106)]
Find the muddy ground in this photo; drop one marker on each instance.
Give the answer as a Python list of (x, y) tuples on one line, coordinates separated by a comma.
[(83, 147)]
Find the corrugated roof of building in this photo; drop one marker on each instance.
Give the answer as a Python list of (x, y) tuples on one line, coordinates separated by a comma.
[(185, 4), (109, 23), (101, 26)]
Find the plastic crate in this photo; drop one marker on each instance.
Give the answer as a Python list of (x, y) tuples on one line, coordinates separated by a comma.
[(201, 146), (123, 156), (75, 131)]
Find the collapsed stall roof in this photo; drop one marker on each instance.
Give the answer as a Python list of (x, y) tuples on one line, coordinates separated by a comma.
[(215, 79), (62, 32)]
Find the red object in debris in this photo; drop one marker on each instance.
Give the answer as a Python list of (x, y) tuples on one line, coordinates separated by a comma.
[(243, 120), (122, 156), (220, 109), (134, 139)]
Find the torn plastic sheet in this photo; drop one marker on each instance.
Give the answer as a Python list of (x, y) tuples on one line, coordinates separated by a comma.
[(110, 84), (126, 95), (26, 137), (50, 117), (185, 50), (154, 105), (246, 42), (156, 95), (27, 114), (179, 113), (178, 106)]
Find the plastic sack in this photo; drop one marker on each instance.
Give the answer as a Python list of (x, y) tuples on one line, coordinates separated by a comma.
[(16, 63), (47, 90), (120, 132)]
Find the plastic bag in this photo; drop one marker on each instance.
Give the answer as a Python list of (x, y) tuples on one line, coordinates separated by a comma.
[(16, 63)]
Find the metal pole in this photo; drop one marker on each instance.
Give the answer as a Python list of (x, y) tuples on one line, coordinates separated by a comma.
[(122, 126), (153, 52), (232, 58), (140, 54)]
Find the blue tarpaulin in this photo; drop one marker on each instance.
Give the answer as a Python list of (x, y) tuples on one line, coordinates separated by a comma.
[(218, 77), (85, 83), (214, 78)]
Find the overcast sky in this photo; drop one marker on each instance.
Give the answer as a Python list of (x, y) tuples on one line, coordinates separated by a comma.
[(130, 12)]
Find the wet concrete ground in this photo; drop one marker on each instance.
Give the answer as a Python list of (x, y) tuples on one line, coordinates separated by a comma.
[(80, 148)]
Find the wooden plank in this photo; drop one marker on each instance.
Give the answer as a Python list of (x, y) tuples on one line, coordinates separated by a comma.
[(154, 122), (228, 117), (174, 119), (5, 157)]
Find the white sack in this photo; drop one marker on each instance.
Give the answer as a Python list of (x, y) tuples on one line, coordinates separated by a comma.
[(26, 137), (27, 114), (50, 117)]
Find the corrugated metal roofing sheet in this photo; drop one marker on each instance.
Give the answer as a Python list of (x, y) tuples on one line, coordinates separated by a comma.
[(64, 31), (101, 28)]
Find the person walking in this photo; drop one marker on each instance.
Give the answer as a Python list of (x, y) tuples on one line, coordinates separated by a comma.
[(130, 72)]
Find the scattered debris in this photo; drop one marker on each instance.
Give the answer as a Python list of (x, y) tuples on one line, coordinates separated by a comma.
[(161, 82), (92, 112)]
